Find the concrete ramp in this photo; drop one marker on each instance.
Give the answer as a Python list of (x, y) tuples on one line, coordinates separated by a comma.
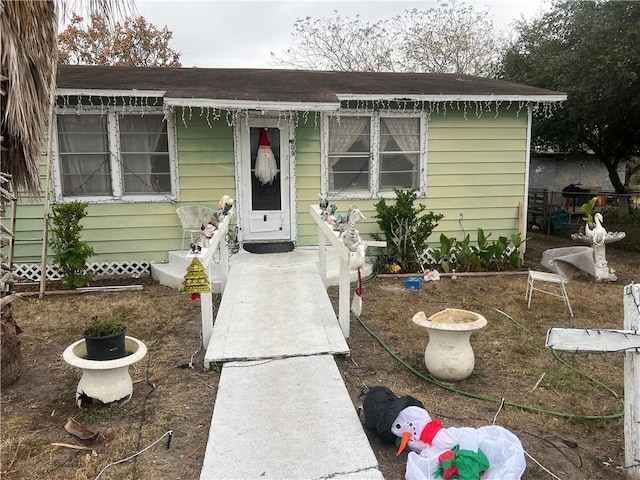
[(282, 410), (286, 419), (274, 311)]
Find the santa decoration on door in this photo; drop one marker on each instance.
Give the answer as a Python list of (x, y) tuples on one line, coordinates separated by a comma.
[(266, 167)]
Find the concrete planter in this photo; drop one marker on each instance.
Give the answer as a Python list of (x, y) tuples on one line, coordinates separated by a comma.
[(449, 355), (105, 380)]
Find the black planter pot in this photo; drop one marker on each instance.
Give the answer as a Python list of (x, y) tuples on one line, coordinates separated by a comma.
[(105, 348)]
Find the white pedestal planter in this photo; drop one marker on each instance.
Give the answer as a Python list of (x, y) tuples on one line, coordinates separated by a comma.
[(106, 380), (448, 355)]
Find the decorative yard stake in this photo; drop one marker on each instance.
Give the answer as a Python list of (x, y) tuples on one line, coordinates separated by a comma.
[(195, 280), (607, 341)]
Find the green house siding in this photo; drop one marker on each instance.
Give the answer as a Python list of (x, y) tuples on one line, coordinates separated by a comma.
[(307, 179), (146, 231), (476, 170), (475, 177), (205, 160)]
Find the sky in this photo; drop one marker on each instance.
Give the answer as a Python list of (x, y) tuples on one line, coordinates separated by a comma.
[(235, 34)]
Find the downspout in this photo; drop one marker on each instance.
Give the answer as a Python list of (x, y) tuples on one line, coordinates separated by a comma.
[(525, 202)]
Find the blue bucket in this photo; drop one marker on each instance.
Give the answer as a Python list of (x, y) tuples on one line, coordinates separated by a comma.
[(413, 283)]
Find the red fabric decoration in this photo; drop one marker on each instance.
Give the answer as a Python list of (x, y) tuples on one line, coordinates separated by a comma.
[(430, 430), (444, 456), (195, 297)]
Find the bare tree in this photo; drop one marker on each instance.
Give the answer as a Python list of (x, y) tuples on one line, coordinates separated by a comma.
[(341, 44), (133, 43), (449, 38)]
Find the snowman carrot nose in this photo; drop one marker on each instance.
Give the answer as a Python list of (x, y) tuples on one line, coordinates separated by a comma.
[(406, 436)]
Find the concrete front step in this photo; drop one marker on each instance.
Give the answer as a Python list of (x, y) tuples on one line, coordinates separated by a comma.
[(286, 419)]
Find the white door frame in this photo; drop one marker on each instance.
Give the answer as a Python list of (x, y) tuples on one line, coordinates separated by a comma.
[(287, 180)]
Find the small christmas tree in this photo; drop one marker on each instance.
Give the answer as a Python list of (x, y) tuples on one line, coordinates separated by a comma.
[(195, 280)]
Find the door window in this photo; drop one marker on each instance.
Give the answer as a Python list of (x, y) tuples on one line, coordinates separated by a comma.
[(265, 196)]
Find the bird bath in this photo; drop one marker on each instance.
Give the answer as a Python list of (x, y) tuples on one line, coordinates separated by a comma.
[(598, 237), (448, 355), (104, 380)]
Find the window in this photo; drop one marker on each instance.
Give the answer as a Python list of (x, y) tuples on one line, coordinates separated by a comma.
[(374, 154), (114, 155)]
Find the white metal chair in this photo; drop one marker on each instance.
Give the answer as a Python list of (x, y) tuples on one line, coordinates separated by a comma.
[(556, 287), (192, 218)]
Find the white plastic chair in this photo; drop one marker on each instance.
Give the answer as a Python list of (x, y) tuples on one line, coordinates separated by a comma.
[(555, 288), (192, 218)]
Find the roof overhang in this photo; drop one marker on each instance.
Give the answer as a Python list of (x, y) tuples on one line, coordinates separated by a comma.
[(252, 104), (346, 97), (85, 92)]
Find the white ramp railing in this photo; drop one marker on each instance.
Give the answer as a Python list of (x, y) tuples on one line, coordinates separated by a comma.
[(326, 231), (217, 243)]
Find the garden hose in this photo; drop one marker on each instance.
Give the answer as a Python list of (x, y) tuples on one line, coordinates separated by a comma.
[(500, 400)]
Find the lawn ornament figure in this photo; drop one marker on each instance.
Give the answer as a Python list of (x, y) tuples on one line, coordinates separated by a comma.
[(381, 407), (208, 230), (597, 234), (351, 237), (356, 247), (225, 204), (324, 205), (466, 453), (598, 237)]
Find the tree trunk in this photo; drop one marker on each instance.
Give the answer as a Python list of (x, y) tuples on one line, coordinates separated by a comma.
[(619, 187), (11, 354)]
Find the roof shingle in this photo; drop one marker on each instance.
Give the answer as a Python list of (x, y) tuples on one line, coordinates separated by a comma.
[(275, 85)]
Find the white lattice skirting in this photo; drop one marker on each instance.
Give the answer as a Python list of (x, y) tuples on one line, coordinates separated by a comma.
[(31, 272)]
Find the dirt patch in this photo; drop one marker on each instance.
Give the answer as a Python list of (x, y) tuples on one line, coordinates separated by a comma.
[(173, 392)]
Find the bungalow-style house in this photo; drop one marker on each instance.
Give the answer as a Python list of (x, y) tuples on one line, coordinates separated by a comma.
[(136, 143)]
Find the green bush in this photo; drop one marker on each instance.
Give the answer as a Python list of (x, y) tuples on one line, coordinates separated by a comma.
[(484, 255), (70, 252), (406, 229), (104, 327)]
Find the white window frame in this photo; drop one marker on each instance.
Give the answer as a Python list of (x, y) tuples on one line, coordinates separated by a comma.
[(374, 162), (113, 132)]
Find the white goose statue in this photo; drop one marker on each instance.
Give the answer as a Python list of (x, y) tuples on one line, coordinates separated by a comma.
[(597, 238), (598, 234)]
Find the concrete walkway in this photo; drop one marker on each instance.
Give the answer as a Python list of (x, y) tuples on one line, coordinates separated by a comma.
[(282, 410)]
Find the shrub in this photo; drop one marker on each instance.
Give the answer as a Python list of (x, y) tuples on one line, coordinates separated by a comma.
[(406, 229), (70, 252), (503, 254), (104, 327)]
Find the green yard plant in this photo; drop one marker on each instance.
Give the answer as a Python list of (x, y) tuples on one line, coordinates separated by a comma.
[(70, 252), (104, 327), (484, 255), (406, 228)]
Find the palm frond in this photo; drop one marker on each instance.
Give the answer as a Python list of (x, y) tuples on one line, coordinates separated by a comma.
[(28, 65), (28, 62)]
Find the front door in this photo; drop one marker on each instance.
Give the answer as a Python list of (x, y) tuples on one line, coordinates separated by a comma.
[(265, 204)]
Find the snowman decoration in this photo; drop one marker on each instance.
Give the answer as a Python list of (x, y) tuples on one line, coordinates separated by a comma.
[(490, 452)]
